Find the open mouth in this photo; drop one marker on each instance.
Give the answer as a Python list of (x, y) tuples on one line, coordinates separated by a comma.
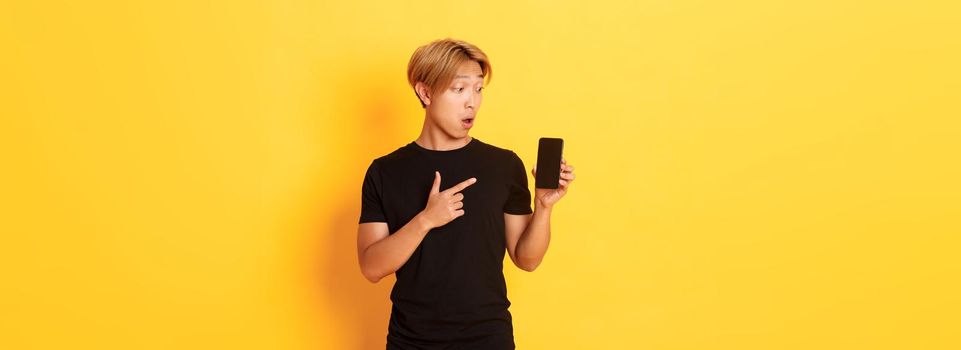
[(467, 122)]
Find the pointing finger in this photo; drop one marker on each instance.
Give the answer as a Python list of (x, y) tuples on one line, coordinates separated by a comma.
[(461, 186)]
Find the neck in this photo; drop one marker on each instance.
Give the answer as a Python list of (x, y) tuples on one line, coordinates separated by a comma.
[(433, 138)]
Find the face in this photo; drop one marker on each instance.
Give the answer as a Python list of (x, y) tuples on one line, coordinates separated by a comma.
[(454, 109)]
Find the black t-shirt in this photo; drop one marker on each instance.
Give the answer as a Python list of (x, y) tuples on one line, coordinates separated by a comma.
[(452, 289)]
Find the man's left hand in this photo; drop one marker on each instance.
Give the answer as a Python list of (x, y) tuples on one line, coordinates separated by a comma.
[(545, 197)]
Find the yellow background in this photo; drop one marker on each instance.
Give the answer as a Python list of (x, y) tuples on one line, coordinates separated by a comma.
[(751, 174)]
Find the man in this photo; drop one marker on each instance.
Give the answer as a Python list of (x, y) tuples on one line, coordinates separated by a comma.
[(440, 211)]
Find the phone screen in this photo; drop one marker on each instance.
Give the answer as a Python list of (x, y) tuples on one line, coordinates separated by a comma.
[(549, 152)]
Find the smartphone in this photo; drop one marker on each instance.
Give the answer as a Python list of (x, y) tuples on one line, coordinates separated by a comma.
[(549, 152)]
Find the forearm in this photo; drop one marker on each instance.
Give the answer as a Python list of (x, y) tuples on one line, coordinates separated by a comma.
[(533, 243), (389, 254)]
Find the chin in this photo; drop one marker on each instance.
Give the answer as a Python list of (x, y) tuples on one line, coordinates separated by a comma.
[(458, 132)]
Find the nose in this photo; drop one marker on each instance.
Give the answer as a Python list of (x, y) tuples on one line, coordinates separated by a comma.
[(471, 100)]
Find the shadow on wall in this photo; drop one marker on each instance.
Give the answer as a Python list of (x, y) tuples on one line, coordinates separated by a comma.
[(360, 308)]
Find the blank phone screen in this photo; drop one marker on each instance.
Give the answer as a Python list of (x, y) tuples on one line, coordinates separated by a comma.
[(549, 162)]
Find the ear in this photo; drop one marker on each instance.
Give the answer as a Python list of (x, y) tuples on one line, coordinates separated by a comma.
[(423, 93)]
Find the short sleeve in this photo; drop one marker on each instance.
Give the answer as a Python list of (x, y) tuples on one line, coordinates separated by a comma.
[(519, 198), (371, 205)]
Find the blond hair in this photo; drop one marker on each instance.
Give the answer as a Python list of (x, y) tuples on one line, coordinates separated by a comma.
[(435, 64)]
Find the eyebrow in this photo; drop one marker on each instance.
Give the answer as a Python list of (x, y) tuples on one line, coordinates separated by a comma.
[(467, 76)]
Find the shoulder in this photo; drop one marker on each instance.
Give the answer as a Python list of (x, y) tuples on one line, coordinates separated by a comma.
[(501, 153), (509, 163), (397, 157)]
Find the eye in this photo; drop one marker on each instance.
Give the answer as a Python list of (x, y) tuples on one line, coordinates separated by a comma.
[(458, 89), (480, 89)]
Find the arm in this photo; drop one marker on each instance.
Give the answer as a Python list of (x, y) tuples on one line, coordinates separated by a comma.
[(381, 253), (528, 236)]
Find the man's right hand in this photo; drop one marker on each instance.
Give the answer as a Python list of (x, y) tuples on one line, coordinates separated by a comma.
[(445, 206)]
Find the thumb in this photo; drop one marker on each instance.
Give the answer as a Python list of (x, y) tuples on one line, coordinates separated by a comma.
[(436, 186)]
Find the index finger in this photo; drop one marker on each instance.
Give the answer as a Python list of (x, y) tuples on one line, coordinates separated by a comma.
[(461, 186)]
